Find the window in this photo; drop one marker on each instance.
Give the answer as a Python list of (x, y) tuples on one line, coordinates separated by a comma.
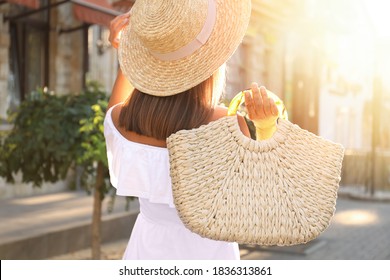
[(28, 54)]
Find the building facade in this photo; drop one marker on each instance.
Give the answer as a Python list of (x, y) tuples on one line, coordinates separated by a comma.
[(290, 47), (60, 49), (52, 44)]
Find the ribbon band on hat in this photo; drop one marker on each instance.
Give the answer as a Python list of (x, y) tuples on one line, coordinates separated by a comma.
[(198, 42)]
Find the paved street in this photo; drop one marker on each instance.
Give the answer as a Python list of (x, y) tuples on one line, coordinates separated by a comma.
[(360, 229)]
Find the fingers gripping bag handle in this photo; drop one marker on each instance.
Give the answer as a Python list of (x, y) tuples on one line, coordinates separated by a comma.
[(239, 99), (265, 128), (278, 191)]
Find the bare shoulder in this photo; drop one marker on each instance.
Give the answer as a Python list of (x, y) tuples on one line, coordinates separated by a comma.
[(220, 112)]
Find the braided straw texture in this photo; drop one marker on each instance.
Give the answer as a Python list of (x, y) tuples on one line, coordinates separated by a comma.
[(164, 26), (281, 191)]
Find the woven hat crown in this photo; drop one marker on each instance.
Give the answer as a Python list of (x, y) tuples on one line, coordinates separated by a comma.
[(171, 46), (165, 26)]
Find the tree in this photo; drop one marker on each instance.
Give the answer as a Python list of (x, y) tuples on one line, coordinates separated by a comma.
[(94, 155), (53, 134)]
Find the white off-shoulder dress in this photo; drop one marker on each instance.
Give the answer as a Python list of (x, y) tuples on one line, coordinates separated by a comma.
[(143, 171)]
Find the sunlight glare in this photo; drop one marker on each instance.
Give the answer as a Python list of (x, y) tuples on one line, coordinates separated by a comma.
[(378, 11), (51, 198), (356, 217)]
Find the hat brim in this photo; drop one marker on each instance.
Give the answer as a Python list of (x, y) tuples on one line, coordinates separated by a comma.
[(164, 78)]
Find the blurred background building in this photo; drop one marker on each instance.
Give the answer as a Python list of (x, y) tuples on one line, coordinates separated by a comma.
[(327, 60)]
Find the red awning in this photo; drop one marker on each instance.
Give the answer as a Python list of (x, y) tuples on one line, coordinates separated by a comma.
[(34, 4), (94, 11), (123, 5)]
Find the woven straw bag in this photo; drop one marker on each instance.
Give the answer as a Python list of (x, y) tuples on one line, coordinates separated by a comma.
[(280, 191)]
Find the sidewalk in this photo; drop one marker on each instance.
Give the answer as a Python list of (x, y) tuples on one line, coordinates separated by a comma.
[(360, 230), (44, 226)]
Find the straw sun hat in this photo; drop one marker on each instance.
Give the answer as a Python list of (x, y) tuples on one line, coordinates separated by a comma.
[(171, 46)]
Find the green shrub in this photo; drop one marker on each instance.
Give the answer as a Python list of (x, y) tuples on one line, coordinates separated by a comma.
[(50, 135)]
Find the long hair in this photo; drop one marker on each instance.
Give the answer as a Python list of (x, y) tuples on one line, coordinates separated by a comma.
[(159, 117)]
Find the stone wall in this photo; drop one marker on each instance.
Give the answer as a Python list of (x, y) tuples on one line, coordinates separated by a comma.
[(103, 61), (66, 53), (358, 171), (257, 60), (19, 189)]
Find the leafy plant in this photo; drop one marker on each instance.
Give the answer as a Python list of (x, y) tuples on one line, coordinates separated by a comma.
[(53, 134), (45, 139)]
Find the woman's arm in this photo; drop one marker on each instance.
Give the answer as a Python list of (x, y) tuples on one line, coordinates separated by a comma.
[(121, 90), (122, 87)]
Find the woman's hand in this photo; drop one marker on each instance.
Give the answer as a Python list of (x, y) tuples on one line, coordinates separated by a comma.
[(259, 105), (262, 110), (116, 26)]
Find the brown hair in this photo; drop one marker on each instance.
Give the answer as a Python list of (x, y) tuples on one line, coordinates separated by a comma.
[(159, 117)]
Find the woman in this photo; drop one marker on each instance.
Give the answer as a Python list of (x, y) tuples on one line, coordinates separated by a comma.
[(177, 69)]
